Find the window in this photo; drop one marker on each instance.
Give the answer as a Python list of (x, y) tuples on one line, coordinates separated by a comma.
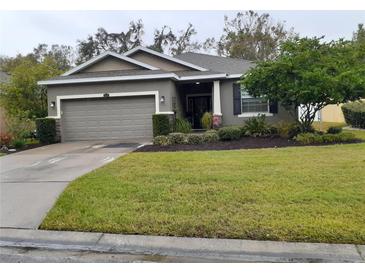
[(250, 104)]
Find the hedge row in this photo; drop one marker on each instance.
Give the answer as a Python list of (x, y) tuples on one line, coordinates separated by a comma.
[(315, 138), (354, 114), (186, 138), (46, 130)]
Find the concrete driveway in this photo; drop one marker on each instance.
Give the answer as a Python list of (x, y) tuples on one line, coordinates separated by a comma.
[(31, 181)]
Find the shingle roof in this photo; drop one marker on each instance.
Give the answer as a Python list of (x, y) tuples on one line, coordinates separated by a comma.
[(186, 73), (217, 63)]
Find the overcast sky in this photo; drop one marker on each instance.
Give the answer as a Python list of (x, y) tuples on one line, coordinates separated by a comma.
[(20, 31)]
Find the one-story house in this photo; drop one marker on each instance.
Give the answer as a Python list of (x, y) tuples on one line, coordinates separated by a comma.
[(113, 96)]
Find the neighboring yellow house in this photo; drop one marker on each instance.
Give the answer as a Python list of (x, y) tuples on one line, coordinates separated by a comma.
[(333, 113)]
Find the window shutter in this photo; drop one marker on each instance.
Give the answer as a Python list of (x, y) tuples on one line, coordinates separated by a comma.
[(236, 99), (273, 107)]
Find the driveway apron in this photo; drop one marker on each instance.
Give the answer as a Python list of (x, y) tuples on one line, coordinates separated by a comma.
[(32, 180)]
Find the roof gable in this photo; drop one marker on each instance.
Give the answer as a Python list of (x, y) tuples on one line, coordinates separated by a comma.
[(109, 61), (168, 62)]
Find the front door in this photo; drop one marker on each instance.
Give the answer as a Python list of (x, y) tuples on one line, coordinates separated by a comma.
[(197, 106)]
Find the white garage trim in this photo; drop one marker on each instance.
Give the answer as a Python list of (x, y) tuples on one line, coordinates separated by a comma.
[(116, 94)]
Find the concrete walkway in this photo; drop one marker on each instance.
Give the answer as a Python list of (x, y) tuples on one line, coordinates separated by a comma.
[(178, 249), (31, 181)]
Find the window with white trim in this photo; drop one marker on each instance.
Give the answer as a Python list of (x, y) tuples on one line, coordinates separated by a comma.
[(251, 104)]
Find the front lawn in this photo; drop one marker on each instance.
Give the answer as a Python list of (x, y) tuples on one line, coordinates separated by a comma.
[(311, 194), (325, 125)]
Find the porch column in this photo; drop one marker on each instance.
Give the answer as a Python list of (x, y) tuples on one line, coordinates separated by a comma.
[(217, 112)]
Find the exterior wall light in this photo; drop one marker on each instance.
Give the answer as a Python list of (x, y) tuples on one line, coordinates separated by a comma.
[(162, 99), (53, 104), (197, 83)]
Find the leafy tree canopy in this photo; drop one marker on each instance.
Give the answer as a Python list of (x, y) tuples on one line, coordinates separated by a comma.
[(164, 40), (63, 55), (21, 96), (102, 41), (311, 73), (252, 36)]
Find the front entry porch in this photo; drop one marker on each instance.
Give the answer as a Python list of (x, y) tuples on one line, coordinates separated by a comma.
[(197, 98)]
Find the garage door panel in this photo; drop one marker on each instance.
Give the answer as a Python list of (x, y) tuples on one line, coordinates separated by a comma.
[(111, 118)]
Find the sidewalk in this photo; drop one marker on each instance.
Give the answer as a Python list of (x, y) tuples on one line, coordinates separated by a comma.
[(227, 250)]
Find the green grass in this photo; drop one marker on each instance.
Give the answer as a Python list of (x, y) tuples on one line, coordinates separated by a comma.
[(311, 194), (325, 125), (2, 154), (358, 133)]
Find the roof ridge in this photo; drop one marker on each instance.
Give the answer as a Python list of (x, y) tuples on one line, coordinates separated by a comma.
[(217, 56)]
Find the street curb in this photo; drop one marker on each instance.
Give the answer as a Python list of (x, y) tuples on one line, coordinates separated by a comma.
[(226, 249)]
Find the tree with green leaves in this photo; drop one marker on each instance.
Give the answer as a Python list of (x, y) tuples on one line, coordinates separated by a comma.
[(310, 73), (183, 41), (359, 35), (102, 41), (252, 36), (21, 96), (162, 38), (63, 55)]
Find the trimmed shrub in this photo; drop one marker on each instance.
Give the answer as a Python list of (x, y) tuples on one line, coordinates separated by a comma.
[(354, 114), (314, 138), (194, 139), (18, 143), (161, 124), (161, 140), (229, 133), (210, 136), (176, 138), (46, 130), (207, 120), (19, 127), (257, 126), (182, 125), (334, 130), (288, 130)]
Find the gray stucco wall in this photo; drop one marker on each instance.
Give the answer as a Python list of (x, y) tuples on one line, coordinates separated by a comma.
[(165, 87), (227, 108)]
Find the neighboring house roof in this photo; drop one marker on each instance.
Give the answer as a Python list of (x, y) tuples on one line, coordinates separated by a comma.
[(4, 77), (164, 56), (104, 55), (217, 63)]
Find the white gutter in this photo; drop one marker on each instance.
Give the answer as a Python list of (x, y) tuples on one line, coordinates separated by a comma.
[(106, 79), (131, 77), (234, 76)]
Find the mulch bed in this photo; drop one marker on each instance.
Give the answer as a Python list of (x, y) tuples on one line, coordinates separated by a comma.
[(244, 143)]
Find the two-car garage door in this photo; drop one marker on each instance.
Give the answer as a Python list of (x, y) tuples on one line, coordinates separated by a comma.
[(120, 118)]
